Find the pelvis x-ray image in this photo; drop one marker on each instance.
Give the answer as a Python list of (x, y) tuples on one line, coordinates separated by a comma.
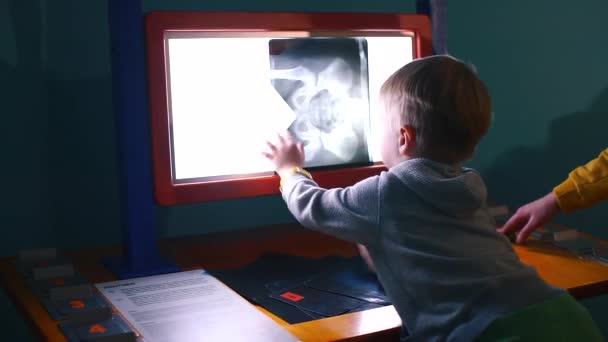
[(325, 81)]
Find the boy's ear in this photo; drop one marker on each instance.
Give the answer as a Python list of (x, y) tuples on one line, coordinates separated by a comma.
[(407, 140)]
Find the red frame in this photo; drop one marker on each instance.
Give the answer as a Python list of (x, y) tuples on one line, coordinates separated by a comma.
[(157, 23)]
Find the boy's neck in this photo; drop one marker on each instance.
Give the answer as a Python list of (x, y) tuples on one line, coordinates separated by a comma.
[(408, 158)]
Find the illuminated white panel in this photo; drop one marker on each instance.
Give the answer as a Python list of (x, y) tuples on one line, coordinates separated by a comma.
[(386, 55), (223, 105)]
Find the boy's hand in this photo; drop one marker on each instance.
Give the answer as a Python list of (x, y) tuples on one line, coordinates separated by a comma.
[(285, 153), (531, 216)]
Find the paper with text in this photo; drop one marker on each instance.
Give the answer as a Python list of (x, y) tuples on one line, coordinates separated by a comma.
[(189, 306)]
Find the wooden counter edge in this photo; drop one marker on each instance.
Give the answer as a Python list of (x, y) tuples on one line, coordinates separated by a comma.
[(35, 314), (334, 328)]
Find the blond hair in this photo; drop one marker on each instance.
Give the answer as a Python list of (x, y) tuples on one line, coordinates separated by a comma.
[(444, 101)]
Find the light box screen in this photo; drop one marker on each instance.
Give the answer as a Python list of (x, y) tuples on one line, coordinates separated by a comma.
[(229, 92)]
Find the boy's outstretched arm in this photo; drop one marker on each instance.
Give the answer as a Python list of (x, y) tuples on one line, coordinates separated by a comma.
[(350, 213)]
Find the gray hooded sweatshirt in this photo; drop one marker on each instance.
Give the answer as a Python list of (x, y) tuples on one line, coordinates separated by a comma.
[(435, 247)]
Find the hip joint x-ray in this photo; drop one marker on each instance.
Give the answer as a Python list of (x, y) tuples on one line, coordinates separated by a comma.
[(325, 81)]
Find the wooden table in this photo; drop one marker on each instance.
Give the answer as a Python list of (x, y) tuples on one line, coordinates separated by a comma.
[(583, 278)]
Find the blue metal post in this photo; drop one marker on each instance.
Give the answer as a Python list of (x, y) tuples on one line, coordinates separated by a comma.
[(437, 11), (140, 255)]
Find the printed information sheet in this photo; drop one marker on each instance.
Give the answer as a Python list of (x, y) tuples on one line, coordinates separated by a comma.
[(189, 306)]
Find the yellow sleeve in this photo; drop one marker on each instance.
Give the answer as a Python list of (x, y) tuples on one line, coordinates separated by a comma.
[(586, 185)]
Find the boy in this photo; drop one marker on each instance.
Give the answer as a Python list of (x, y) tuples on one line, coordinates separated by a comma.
[(435, 249)]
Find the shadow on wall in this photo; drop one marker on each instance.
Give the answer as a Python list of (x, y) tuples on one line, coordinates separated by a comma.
[(82, 144), (62, 182), (526, 173), (24, 207)]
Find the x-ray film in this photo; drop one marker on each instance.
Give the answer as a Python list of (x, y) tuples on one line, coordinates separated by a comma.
[(325, 82)]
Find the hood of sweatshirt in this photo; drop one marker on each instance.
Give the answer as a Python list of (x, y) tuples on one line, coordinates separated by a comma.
[(452, 189)]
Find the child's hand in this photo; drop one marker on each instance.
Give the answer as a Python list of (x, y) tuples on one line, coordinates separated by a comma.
[(285, 153)]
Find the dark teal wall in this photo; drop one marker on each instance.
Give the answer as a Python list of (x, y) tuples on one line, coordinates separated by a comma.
[(544, 62), (24, 205), (390, 6), (545, 65)]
